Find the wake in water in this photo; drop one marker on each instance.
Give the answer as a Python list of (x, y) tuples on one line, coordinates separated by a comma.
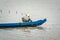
[(25, 29)]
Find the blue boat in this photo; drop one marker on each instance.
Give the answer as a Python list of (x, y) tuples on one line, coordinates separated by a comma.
[(23, 24)]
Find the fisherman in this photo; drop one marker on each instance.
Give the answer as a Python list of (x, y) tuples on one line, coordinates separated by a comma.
[(26, 18)]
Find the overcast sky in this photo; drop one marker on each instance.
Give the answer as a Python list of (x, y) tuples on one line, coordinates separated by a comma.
[(38, 9)]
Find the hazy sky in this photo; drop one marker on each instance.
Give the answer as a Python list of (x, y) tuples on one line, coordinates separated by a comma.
[(38, 9)]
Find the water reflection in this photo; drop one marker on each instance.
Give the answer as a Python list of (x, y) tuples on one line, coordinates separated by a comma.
[(28, 29), (25, 29)]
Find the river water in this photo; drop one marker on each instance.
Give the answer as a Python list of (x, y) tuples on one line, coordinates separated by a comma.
[(47, 32), (10, 11)]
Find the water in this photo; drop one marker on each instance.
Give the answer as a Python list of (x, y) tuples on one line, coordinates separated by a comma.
[(38, 9), (48, 32)]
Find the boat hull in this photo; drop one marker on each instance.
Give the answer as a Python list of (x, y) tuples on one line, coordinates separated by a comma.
[(23, 24)]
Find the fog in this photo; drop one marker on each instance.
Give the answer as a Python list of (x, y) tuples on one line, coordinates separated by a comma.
[(10, 10)]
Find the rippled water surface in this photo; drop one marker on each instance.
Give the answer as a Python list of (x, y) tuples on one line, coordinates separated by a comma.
[(49, 32)]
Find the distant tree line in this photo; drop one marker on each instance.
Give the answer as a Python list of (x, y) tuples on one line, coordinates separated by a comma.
[(8, 11)]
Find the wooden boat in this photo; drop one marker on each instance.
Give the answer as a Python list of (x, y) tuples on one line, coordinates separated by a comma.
[(23, 24)]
